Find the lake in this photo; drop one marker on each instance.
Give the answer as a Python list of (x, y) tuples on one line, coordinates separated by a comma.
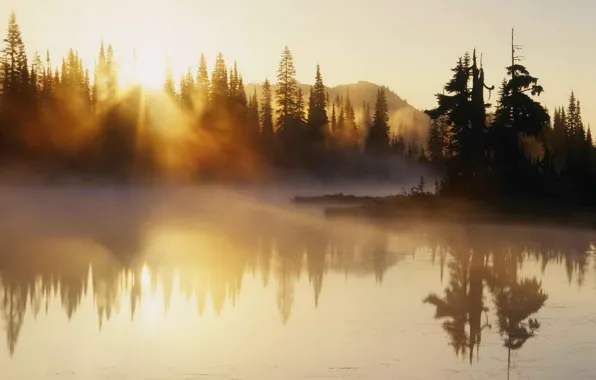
[(182, 283)]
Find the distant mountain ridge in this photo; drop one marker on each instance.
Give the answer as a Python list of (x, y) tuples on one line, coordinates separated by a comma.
[(414, 122)]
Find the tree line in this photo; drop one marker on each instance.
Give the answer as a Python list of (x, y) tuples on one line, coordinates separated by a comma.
[(517, 151), (65, 119)]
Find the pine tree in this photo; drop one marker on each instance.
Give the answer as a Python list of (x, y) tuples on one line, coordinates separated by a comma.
[(286, 92), (241, 93), (413, 145), (366, 116), (14, 63), (518, 116), (169, 87), (240, 103), (574, 124), (233, 88), (100, 80), (571, 119), (219, 82), (334, 128), (47, 76), (202, 83), (267, 131), (86, 91), (183, 90), (378, 135), (187, 90), (300, 117), (399, 144), (462, 108), (64, 77), (517, 110), (252, 116), (456, 107), (580, 129), (341, 120), (351, 128), (37, 73), (112, 74), (559, 131), (478, 132), (435, 142), (317, 109), (56, 80)]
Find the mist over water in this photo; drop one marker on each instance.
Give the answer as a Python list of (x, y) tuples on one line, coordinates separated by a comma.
[(100, 282)]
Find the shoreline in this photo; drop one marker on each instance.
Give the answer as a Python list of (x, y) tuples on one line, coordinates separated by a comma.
[(432, 207)]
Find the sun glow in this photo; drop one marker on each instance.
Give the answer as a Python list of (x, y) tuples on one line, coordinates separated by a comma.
[(145, 278), (146, 67)]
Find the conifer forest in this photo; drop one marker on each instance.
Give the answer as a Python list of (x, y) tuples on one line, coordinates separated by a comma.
[(491, 141)]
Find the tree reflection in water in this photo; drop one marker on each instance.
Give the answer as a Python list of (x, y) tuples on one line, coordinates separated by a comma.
[(206, 257), (483, 258), (209, 255)]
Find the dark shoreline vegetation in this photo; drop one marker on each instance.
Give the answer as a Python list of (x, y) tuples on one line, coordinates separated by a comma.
[(433, 208), (67, 124)]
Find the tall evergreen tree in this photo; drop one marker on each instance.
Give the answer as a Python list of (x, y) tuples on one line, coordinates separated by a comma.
[(112, 74), (233, 88), (463, 109), (571, 120), (252, 116), (518, 116), (86, 90), (56, 80), (300, 116), (559, 127), (351, 128), (398, 144), (286, 92), (202, 83), (14, 62), (341, 120), (435, 141), (219, 82), (37, 73), (366, 116), (378, 135), (317, 109), (100, 79), (267, 131), (169, 87), (334, 128), (455, 105), (47, 76), (187, 90), (242, 93)]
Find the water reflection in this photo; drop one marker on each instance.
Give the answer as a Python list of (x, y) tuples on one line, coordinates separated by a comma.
[(152, 252), (149, 251), (483, 264)]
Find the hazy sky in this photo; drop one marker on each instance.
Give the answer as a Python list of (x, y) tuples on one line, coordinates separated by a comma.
[(408, 45)]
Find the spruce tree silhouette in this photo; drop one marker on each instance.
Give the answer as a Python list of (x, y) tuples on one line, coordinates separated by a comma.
[(377, 141)]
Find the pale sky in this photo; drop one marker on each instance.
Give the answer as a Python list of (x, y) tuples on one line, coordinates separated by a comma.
[(408, 45)]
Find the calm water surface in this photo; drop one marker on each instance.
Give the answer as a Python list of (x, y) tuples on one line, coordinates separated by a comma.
[(188, 284)]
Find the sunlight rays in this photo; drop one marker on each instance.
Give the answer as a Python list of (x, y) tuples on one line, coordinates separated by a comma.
[(145, 67)]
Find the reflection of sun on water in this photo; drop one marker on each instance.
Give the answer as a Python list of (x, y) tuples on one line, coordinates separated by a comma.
[(145, 278), (152, 307)]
